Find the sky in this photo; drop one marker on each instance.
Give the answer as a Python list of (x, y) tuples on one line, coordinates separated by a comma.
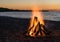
[(27, 4)]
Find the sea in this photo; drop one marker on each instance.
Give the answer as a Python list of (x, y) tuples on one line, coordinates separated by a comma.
[(54, 16)]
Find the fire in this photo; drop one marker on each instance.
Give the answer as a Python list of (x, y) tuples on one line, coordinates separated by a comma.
[(36, 21), (37, 13)]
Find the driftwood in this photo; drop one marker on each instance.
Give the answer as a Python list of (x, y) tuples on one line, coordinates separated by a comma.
[(40, 30)]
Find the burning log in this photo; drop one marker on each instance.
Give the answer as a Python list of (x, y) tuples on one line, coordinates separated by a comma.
[(37, 30)]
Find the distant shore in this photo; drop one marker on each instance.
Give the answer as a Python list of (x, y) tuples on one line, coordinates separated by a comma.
[(17, 10)]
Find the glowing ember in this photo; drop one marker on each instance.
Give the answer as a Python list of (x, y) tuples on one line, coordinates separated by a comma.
[(36, 28)]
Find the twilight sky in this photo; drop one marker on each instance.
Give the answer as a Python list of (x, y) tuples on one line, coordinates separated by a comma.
[(27, 4)]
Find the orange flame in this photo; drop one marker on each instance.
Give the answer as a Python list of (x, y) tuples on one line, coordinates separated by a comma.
[(36, 13)]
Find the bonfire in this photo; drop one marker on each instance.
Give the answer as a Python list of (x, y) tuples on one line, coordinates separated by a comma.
[(37, 26)]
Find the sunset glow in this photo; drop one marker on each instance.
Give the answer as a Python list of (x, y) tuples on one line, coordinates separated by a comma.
[(26, 4)]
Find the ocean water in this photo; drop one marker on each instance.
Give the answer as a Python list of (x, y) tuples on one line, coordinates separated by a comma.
[(55, 16)]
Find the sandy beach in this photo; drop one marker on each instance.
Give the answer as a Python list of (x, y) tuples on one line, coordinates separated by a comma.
[(12, 29)]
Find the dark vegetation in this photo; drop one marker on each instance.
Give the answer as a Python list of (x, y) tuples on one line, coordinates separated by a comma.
[(13, 10), (12, 29)]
